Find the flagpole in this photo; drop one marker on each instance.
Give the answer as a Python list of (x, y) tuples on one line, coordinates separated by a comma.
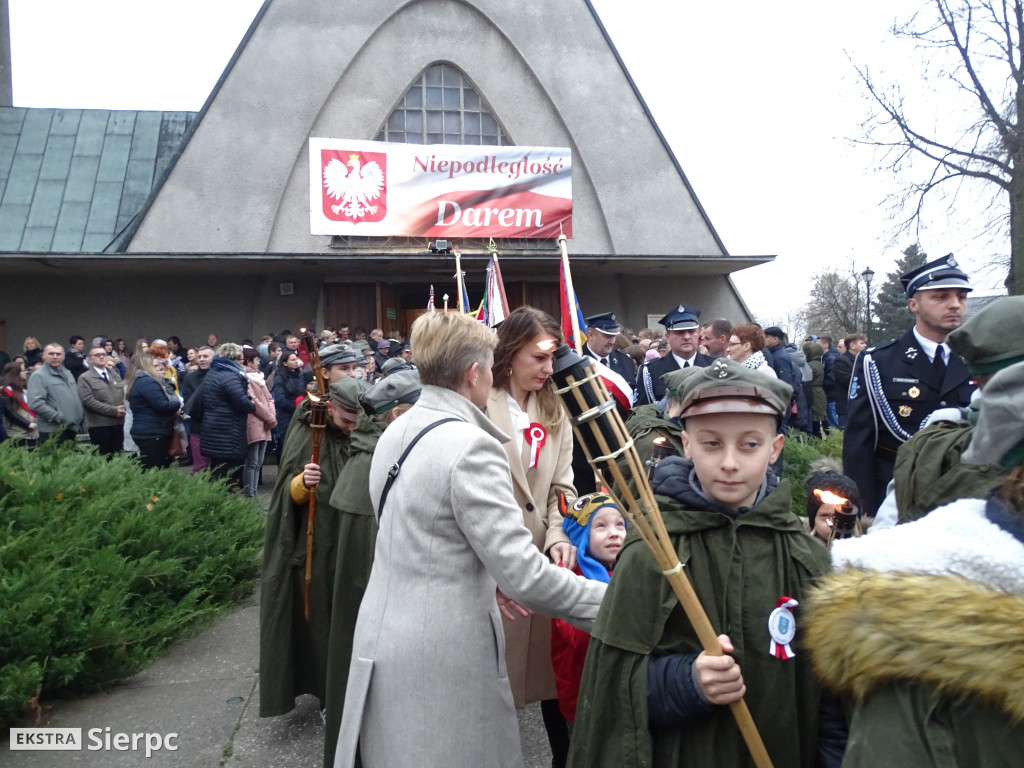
[(570, 295), (458, 278), (497, 274)]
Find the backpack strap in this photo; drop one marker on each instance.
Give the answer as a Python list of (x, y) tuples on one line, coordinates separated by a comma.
[(395, 468)]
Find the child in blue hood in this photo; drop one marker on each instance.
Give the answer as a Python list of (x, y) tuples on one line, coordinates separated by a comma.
[(596, 527)]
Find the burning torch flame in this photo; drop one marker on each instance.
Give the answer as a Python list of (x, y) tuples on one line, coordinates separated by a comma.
[(827, 497), (313, 398), (661, 441)]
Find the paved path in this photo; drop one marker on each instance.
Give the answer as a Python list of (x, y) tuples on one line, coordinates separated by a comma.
[(206, 690)]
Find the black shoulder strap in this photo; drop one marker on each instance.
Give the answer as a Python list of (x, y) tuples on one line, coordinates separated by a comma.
[(394, 469)]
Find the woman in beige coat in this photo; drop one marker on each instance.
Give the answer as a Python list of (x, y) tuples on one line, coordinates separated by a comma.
[(523, 404)]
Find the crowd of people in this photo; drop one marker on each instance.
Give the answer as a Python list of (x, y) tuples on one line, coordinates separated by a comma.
[(438, 553), (153, 399)]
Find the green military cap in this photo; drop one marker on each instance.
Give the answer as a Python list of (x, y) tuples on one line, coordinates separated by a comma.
[(998, 438), (345, 392), (726, 386), (394, 365), (672, 380), (336, 354), (993, 338), (400, 387)]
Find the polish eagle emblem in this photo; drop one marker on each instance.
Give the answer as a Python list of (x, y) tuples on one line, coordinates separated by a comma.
[(354, 186)]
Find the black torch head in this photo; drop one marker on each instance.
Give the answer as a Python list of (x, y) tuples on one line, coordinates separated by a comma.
[(589, 406)]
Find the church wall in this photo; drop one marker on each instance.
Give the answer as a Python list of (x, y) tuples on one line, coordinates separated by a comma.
[(337, 69)]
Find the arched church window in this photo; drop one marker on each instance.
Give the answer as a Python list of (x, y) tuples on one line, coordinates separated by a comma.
[(443, 107)]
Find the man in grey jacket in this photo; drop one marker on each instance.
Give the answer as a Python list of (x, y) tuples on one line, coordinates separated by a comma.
[(53, 397)]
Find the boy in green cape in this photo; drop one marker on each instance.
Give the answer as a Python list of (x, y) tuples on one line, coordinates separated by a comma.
[(650, 697)]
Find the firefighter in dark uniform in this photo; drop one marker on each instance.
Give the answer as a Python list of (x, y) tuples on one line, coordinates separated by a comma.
[(896, 385), (682, 329), (601, 333)]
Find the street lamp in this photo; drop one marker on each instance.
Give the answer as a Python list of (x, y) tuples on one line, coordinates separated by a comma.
[(868, 274)]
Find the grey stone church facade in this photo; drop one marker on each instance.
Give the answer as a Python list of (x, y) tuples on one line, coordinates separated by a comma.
[(149, 223)]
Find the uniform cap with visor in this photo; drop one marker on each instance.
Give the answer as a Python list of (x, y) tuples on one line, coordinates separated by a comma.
[(936, 275), (681, 319), (605, 323)]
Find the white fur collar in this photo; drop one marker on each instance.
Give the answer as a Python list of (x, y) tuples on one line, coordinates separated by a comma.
[(954, 539)]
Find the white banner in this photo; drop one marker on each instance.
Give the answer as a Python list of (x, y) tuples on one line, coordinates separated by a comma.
[(438, 190)]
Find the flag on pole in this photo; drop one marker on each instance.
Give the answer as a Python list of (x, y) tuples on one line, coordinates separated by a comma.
[(430, 301), (570, 308), (494, 307), (462, 293)]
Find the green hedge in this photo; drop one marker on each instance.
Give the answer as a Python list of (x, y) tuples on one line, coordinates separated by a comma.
[(104, 566), (799, 453)]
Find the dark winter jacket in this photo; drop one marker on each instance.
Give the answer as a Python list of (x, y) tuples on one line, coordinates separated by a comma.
[(842, 372), (787, 371), (193, 396), (152, 410), (226, 404), (829, 361), (289, 386)]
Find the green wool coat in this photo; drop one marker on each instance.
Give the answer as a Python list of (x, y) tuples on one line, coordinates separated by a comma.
[(929, 473), (357, 536), (293, 652), (644, 424), (739, 569)]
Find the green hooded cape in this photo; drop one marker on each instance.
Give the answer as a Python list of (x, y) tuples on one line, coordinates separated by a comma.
[(293, 652), (739, 569), (357, 536), (644, 424)]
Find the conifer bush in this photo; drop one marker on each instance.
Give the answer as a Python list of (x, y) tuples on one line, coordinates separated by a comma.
[(798, 454), (104, 566)]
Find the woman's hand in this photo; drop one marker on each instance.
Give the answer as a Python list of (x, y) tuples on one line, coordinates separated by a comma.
[(506, 605), (564, 554), (311, 475), (719, 676)]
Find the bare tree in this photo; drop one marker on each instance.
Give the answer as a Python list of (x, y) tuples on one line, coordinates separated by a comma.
[(837, 305), (976, 47)]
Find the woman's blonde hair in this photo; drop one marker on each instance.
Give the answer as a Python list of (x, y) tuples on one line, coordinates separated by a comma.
[(521, 327), (446, 344), (229, 350), (140, 365)]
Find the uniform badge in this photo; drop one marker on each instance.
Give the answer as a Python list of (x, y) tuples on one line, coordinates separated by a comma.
[(904, 411), (782, 628), (854, 387), (911, 353), (914, 392)]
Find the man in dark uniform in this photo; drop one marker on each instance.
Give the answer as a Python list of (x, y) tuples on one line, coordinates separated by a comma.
[(682, 329), (896, 385), (601, 333)]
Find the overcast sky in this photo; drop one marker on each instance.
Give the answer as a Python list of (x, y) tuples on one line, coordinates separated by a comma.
[(758, 100)]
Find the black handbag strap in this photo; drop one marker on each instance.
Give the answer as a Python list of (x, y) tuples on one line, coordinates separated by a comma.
[(395, 468)]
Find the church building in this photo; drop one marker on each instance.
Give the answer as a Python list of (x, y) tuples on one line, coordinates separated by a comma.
[(130, 224)]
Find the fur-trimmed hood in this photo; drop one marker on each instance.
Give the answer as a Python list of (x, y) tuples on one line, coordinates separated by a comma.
[(961, 538), (867, 629)]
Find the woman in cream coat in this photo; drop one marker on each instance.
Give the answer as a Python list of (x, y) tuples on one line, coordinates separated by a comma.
[(523, 404), (427, 684)]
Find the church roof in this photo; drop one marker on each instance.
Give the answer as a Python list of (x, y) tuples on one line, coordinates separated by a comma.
[(73, 180)]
